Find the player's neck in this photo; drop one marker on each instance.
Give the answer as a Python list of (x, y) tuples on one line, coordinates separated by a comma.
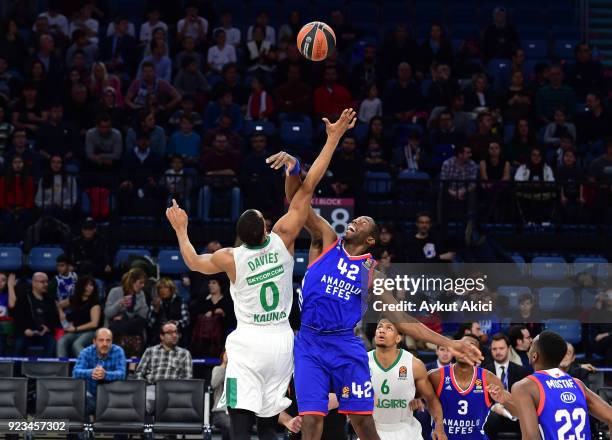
[(386, 355), (463, 370), (355, 249)]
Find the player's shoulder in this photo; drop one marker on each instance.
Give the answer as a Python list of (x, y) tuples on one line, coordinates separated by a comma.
[(526, 384)]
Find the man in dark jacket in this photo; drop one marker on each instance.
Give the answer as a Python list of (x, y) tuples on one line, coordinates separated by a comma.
[(89, 252), (36, 318)]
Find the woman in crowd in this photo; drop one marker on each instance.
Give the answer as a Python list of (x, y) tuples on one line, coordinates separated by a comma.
[(57, 191), (16, 198), (83, 313), (166, 306), (100, 79), (535, 195), (523, 140)]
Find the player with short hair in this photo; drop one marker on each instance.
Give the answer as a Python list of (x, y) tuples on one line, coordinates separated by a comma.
[(335, 290), (397, 377), (260, 350), (466, 393), (551, 404)]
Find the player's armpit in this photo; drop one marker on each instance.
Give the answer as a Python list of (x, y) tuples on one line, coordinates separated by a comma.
[(526, 405)]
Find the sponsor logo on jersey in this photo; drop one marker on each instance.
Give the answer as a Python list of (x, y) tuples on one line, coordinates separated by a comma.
[(478, 386), (391, 403), (264, 276), (568, 397), (403, 372), (346, 392), (447, 380)]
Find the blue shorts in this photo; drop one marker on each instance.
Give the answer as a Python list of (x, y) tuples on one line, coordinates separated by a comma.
[(332, 363)]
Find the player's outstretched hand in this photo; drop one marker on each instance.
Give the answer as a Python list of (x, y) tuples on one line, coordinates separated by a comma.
[(281, 159), (177, 217), (295, 424), (346, 121), (497, 393), (469, 353)]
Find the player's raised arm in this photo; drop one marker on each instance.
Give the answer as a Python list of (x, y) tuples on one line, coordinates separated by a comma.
[(206, 263), (289, 226), (524, 394)]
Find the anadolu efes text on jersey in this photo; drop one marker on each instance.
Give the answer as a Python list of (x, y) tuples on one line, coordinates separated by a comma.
[(335, 289)]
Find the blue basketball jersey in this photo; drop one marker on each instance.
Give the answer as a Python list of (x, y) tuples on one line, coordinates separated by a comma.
[(465, 411), (335, 289), (563, 411)]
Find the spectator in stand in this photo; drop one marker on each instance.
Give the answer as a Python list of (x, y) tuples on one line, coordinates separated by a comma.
[(289, 31), (594, 124), (600, 173), (188, 104), (189, 50), (347, 169), (164, 361), (83, 21), (346, 34), (375, 157), (82, 317), (479, 95), (219, 160), (294, 96), (412, 156), (82, 44), (435, 50), (103, 146), (101, 362), (28, 112), (148, 27), (256, 174), (89, 252), (443, 87), (220, 417), (12, 45), (118, 51), (7, 301), (21, 147), (56, 137), (426, 247), (126, 312), (139, 90), (261, 53), (516, 100), (444, 139), (178, 183), (36, 318), (471, 328), (190, 80), (220, 54), (269, 31), (108, 104), (520, 340), (192, 25), (232, 33), (508, 373), (462, 120), (35, 74), (559, 127), (16, 198), (63, 284), (494, 167), (535, 201), (484, 135), (58, 23), (585, 74), (159, 37), (443, 358), (79, 110), (371, 106), (555, 95), (186, 143), (461, 172), (47, 55), (365, 72), (571, 177), (146, 126), (223, 105), (399, 48), (161, 62), (403, 97), (57, 191), (523, 140), (9, 83), (331, 98), (573, 368), (500, 39), (231, 81), (167, 306), (234, 140), (100, 79), (260, 105)]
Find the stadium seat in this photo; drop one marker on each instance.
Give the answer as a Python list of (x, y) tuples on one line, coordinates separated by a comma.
[(360, 131), (535, 49), (120, 407), (300, 263), (296, 134), (556, 299), (548, 268), (62, 399), (179, 407), (413, 175), (13, 401), (42, 259), (265, 127), (377, 183), (124, 254), (44, 370), (7, 369), (205, 201), (513, 293), (11, 258), (570, 330), (171, 262), (588, 298), (595, 266), (564, 49)]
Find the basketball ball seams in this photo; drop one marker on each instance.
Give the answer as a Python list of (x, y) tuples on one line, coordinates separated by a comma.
[(308, 41)]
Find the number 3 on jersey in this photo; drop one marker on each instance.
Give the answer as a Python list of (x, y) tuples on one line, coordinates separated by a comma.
[(344, 268)]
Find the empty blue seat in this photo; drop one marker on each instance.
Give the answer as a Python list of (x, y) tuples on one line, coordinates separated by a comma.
[(556, 299), (296, 134), (360, 131), (123, 254), (300, 263), (171, 262), (570, 330), (42, 259), (564, 49), (377, 183), (535, 49), (413, 175), (596, 266), (265, 127), (10, 258), (513, 293), (548, 268)]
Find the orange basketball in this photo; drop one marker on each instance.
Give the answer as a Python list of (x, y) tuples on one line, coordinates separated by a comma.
[(316, 41)]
